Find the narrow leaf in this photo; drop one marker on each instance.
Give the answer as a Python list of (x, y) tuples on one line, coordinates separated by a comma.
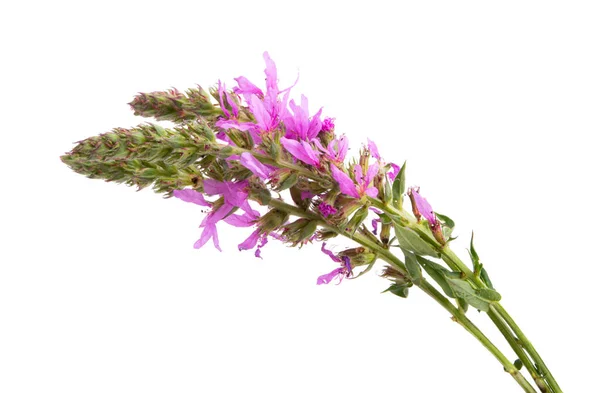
[(398, 289), (488, 294), (438, 273), (464, 290), (410, 241), (398, 187), (412, 266)]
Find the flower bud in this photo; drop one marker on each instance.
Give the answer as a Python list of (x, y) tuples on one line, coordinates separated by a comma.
[(272, 220), (358, 256), (299, 230), (384, 235)]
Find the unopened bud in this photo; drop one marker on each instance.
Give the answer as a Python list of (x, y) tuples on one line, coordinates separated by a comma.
[(358, 256), (384, 235), (299, 230), (272, 220), (395, 275)]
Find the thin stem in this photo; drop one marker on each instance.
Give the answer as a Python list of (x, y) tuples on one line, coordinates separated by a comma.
[(526, 344), (456, 263), (514, 344), (457, 315)]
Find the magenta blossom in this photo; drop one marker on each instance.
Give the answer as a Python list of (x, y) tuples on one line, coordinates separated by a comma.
[(234, 196), (362, 186), (327, 124), (336, 149), (302, 151), (326, 209), (342, 272), (267, 108), (299, 125), (420, 204)]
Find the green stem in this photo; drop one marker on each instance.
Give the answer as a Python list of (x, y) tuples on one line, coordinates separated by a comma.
[(386, 255), (455, 263), (526, 344), (514, 344)]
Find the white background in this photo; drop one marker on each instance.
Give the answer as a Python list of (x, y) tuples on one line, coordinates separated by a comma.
[(493, 104)]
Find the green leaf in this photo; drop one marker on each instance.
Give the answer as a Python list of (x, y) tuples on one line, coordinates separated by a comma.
[(410, 241), (398, 187), (474, 256), (464, 290), (412, 266), (486, 279), (462, 305), (447, 221), (399, 289), (488, 294), (387, 192), (438, 273)]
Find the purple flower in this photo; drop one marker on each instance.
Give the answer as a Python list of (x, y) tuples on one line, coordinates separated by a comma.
[(327, 124), (326, 209), (299, 125), (362, 186), (420, 205), (344, 271), (234, 196), (302, 151), (336, 149)]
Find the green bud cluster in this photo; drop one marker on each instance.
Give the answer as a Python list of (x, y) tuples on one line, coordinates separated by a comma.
[(175, 106), (144, 155)]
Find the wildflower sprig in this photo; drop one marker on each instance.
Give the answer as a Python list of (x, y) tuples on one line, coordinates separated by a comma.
[(262, 162)]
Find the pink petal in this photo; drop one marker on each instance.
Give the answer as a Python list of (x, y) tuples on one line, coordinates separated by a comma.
[(192, 196), (371, 172), (373, 149), (302, 152), (327, 278), (250, 242), (257, 167), (423, 206), (347, 186), (330, 253)]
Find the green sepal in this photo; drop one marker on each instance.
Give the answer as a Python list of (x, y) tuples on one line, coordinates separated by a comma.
[(411, 241)]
